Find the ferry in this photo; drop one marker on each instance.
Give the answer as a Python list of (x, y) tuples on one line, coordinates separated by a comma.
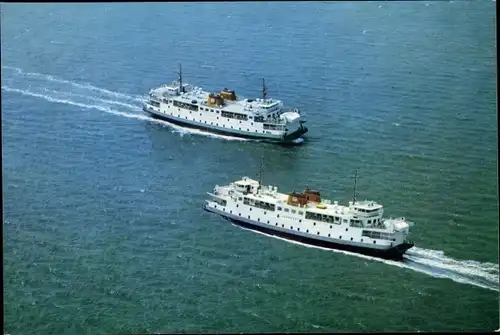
[(306, 217), (225, 113)]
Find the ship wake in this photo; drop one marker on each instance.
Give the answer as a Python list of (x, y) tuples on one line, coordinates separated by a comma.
[(88, 97), (430, 262)]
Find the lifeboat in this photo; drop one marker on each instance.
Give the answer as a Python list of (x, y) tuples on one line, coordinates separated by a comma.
[(320, 206), (228, 95), (215, 100)]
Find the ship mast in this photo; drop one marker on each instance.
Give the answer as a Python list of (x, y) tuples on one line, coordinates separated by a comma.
[(181, 89), (355, 184), (264, 89), (261, 172)]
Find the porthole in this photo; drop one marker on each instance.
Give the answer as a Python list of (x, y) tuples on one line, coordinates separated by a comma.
[(374, 242), (328, 235), (318, 233), (340, 237), (307, 231), (249, 216)]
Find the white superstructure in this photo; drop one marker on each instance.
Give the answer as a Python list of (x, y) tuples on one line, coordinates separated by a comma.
[(224, 113), (359, 226)]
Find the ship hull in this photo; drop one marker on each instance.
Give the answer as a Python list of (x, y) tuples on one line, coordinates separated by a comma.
[(394, 253), (289, 138)]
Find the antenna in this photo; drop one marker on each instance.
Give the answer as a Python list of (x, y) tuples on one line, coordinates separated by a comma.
[(355, 184), (261, 172), (264, 89), (181, 89)]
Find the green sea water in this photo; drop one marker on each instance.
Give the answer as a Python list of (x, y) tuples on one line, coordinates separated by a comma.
[(104, 230)]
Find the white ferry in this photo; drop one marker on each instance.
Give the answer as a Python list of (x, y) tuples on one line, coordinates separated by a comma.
[(306, 217), (224, 113)]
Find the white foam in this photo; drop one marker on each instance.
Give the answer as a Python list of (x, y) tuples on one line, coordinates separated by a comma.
[(140, 116), (430, 262), (75, 84), (112, 102)]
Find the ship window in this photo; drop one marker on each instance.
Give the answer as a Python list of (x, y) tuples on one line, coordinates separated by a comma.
[(250, 209), (278, 215), (231, 212), (346, 229), (369, 221), (240, 198), (300, 220), (345, 221), (330, 226), (237, 205), (264, 212), (361, 240), (301, 213), (298, 229), (276, 224), (314, 223), (337, 218), (239, 214), (217, 113), (286, 210), (279, 208), (293, 211), (258, 219)]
